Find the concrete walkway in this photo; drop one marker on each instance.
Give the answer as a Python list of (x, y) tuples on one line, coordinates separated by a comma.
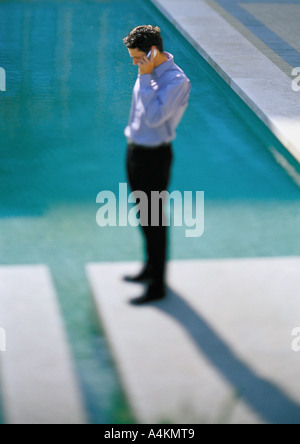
[(37, 373), (218, 349), (254, 46)]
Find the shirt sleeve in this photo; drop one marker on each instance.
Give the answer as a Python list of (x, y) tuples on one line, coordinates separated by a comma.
[(161, 105)]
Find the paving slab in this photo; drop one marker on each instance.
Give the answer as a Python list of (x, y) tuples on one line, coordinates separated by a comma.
[(236, 40), (38, 381), (218, 349)]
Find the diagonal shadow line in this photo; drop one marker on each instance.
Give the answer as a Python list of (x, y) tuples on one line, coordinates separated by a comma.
[(261, 30), (268, 400)]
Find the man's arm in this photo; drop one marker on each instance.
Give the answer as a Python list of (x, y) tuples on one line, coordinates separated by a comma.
[(159, 106)]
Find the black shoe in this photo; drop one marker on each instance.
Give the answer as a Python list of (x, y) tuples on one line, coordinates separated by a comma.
[(154, 292), (144, 276)]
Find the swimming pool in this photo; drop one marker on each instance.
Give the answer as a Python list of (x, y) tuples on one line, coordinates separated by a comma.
[(69, 84)]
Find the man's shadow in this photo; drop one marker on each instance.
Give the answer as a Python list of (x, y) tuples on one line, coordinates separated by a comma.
[(265, 398)]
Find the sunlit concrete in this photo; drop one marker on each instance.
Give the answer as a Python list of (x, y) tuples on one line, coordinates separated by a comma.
[(38, 380), (218, 349)]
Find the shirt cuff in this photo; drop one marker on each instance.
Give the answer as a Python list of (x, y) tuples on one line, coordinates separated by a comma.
[(145, 80)]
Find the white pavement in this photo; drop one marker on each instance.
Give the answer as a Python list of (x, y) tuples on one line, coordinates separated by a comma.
[(38, 381), (218, 349)]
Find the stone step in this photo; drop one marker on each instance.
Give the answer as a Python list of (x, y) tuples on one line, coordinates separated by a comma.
[(216, 350), (38, 381)]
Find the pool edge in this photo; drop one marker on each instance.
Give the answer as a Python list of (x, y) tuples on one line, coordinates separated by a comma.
[(259, 82)]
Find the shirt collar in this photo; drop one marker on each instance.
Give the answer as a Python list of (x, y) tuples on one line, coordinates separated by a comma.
[(159, 71)]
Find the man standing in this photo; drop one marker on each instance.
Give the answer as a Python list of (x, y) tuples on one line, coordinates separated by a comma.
[(160, 98)]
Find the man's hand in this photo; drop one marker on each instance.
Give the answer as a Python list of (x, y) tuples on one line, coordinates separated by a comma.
[(146, 66)]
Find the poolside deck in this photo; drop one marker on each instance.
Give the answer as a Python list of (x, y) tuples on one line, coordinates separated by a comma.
[(37, 374), (254, 46), (218, 349)]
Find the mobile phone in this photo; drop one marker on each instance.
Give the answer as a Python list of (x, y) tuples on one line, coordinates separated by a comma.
[(149, 53)]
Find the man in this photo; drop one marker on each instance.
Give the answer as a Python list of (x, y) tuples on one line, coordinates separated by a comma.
[(160, 98)]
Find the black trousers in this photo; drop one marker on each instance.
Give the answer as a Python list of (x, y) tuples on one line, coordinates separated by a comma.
[(148, 170)]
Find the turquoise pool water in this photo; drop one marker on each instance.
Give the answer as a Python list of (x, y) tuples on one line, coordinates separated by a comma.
[(69, 84)]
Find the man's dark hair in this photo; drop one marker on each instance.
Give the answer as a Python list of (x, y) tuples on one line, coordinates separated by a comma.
[(144, 37)]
